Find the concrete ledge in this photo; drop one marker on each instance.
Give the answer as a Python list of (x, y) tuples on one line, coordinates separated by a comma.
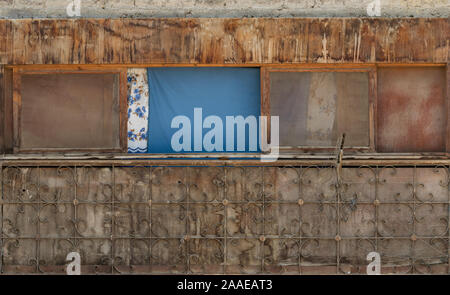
[(222, 8)]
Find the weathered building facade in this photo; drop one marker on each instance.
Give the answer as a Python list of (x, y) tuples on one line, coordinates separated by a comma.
[(311, 211)]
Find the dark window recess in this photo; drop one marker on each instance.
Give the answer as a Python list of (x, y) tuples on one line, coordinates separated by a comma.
[(315, 108), (411, 110), (69, 111)]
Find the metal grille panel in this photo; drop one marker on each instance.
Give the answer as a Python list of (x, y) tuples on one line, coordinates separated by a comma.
[(232, 220)]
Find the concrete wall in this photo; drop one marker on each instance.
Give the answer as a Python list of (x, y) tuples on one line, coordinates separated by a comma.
[(223, 8)]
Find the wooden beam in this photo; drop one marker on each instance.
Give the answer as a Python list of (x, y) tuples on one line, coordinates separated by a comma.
[(221, 160), (448, 108), (226, 163), (2, 110), (7, 107), (224, 41)]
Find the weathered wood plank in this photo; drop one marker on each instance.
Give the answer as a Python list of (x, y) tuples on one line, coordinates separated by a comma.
[(26, 41), (57, 42), (448, 108), (7, 111), (114, 44), (222, 163), (224, 41), (5, 42), (2, 109)]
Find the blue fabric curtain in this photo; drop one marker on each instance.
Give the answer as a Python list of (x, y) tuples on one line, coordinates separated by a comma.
[(217, 91)]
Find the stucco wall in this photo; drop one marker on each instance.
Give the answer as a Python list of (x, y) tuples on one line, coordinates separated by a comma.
[(223, 8)]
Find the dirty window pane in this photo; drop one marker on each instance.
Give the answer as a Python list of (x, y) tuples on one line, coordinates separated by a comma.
[(71, 111), (411, 110), (315, 108)]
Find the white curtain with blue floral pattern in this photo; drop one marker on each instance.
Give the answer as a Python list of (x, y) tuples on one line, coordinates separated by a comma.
[(138, 98)]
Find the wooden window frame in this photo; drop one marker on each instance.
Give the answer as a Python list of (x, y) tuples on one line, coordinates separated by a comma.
[(11, 100), (18, 71), (447, 78), (371, 70)]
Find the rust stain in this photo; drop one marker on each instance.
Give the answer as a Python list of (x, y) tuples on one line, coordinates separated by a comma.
[(411, 110)]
